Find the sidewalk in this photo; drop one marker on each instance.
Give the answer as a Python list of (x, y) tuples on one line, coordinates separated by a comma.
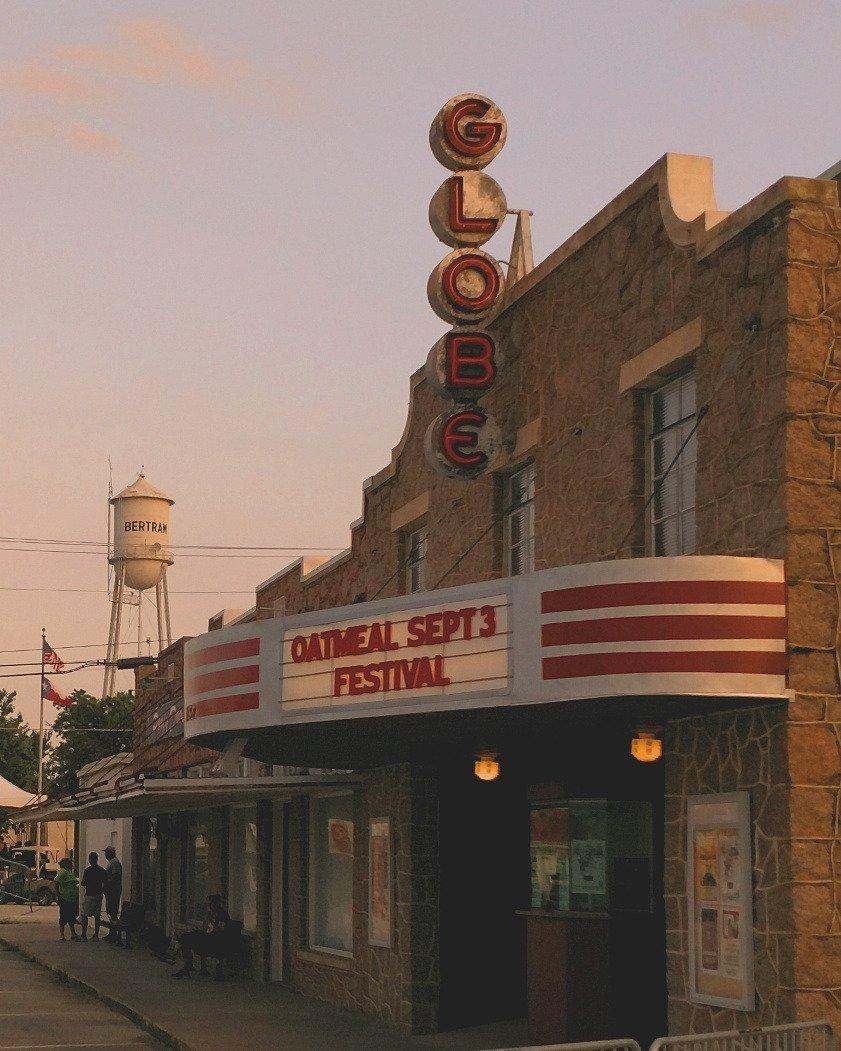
[(199, 1015)]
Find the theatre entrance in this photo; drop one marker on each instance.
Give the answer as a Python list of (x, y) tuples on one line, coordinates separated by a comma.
[(552, 891)]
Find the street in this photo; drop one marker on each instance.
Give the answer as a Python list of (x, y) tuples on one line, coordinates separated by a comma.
[(38, 1011)]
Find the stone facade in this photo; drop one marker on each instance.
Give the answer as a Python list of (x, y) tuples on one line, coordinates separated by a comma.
[(763, 288)]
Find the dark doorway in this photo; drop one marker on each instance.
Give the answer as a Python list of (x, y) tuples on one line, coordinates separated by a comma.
[(483, 844), (594, 966)]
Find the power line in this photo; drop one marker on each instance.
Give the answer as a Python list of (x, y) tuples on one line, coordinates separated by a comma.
[(193, 554), (174, 547), (102, 591)]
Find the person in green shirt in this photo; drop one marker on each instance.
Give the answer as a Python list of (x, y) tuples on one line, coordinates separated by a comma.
[(67, 886)]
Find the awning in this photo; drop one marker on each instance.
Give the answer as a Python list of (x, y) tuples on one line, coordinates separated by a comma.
[(171, 794)]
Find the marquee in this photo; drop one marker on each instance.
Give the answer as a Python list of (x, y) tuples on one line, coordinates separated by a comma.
[(691, 626)]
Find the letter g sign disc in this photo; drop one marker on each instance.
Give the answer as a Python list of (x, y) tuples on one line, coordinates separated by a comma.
[(468, 132)]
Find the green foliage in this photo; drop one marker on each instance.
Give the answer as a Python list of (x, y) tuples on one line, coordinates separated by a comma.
[(74, 748), (18, 751), (18, 746)]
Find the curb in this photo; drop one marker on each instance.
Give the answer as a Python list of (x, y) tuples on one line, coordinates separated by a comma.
[(155, 1030)]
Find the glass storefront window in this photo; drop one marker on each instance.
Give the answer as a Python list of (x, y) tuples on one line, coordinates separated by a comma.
[(149, 855), (331, 874), (197, 849), (591, 855), (243, 866)]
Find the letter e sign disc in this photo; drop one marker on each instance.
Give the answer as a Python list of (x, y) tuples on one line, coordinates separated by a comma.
[(468, 132)]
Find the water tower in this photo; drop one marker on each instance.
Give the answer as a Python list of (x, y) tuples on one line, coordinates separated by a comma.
[(140, 556)]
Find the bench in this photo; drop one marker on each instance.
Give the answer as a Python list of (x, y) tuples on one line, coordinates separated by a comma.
[(131, 921), (229, 947)]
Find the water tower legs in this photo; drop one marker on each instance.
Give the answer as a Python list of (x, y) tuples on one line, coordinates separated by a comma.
[(162, 603), (112, 652)]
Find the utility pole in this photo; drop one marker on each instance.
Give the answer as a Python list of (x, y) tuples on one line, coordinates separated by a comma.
[(40, 757)]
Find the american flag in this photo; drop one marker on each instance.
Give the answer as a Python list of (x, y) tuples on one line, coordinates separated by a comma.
[(52, 658)]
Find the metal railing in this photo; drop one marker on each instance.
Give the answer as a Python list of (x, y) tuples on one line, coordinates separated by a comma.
[(16, 883), (620, 1044), (796, 1036)]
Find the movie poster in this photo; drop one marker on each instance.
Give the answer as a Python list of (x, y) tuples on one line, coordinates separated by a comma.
[(379, 883), (720, 897), (340, 836), (588, 866)]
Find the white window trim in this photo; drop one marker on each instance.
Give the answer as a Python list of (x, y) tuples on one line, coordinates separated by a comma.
[(407, 566), (313, 947), (650, 540), (527, 466)]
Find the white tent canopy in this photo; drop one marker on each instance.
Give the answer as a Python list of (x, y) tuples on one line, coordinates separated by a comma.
[(12, 797)]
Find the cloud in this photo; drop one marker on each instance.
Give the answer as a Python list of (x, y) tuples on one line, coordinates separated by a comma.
[(159, 52), (29, 133), (88, 140), (62, 96), (764, 15), (35, 80)]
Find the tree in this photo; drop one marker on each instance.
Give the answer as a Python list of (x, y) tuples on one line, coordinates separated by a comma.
[(75, 748), (18, 746)]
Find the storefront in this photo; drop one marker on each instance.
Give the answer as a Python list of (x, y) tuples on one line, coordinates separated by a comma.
[(515, 702), (649, 562)]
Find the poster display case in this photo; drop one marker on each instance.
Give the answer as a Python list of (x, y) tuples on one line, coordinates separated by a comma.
[(720, 895), (379, 882)]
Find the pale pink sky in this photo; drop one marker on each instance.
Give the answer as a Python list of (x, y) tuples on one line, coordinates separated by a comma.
[(216, 248)]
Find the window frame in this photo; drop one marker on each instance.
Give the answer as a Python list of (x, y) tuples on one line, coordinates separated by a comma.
[(195, 819), (311, 943), (683, 425), (235, 863), (411, 564), (510, 512)]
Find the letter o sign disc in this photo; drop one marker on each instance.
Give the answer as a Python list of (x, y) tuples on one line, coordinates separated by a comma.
[(468, 132), (466, 287), (467, 209)]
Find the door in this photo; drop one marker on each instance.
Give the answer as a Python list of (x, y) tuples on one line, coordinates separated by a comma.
[(596, 938)]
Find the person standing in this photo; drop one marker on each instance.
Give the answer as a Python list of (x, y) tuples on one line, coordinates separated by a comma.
[(67, 886), (113, 889), (93, 885)]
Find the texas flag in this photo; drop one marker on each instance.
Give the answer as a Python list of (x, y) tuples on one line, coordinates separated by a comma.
[(50, 693)]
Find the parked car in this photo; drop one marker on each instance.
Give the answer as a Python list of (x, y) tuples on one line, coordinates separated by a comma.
[(19, 879)]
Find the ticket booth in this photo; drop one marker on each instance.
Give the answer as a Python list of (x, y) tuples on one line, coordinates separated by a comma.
[(595, 956)]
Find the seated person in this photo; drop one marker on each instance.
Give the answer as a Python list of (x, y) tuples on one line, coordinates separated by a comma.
[(206, 942)]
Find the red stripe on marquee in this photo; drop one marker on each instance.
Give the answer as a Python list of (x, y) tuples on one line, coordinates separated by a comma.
[(228, 651), (235, 702), (644, 629), (744, 662), (214, 680), (661, 593)]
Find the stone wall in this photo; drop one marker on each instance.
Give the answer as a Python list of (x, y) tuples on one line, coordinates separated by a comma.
[(397, 984), (786, 503)]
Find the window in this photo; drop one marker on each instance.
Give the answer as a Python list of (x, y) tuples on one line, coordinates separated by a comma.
[(197, 848), (331, 874), (519, 521), (244, 866), (592, 855), (673, 505), (415, 560)]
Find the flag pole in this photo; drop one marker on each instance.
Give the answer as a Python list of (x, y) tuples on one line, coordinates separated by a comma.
[(40, 757)]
